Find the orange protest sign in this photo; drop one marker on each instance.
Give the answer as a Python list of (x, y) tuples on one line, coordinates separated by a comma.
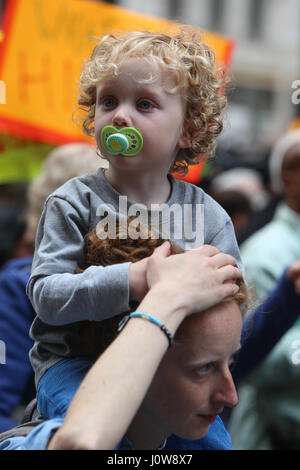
[(44, 45)]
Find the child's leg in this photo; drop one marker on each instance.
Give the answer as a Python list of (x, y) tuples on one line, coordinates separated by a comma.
[(58, 386)]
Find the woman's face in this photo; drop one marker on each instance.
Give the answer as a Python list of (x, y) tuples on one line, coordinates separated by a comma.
[(193, 382)]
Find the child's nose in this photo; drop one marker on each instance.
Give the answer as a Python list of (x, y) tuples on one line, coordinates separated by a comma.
[(122, 118)]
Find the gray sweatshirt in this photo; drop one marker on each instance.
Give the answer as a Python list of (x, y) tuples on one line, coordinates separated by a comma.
[(70, 307)]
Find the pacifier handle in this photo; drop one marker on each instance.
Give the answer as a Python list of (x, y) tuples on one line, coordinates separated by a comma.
[(127, 141)]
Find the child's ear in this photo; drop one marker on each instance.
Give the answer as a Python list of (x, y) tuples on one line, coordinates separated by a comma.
[(185, 140)]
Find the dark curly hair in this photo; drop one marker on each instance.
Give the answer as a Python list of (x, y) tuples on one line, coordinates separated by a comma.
[(106, 252)]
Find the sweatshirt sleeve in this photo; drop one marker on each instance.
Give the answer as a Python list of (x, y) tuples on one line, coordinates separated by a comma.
[(57, 294), (37, 439), (225, 240)]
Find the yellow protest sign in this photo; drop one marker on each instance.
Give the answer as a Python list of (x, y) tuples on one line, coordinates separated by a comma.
[(41, 54)]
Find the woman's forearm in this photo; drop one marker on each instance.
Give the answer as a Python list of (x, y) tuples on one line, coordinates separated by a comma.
[(115, 386)]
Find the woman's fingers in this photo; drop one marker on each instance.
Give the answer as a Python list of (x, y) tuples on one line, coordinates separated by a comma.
[(222, 259), (229, 273), (206, 250), (227, 289), (163, 250)]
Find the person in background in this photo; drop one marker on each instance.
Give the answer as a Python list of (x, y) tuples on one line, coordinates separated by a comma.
[(272, 248), (12, 221), (268, 413), (238, 207), (241, 192), (246, 181)]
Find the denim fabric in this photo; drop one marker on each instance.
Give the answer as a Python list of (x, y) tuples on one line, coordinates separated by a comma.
[(217, 438), (58, 386)]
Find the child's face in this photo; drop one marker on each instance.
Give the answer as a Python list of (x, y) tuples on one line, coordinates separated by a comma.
[(124, 101)]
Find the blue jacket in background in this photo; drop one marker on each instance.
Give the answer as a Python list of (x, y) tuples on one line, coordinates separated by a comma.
[(16, 316)]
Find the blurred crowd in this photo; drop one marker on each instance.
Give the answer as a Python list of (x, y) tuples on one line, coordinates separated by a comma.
[(263, 201)]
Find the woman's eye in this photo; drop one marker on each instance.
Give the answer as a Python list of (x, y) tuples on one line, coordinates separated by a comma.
[(204, 369), (145, 105)]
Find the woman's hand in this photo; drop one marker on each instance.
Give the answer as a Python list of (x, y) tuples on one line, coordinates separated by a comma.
[(197, 279)]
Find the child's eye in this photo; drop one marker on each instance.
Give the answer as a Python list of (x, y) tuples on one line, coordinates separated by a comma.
[(109, 102), (145, 105)]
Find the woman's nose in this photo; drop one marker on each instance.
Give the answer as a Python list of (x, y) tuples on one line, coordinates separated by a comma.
[(226, 394)]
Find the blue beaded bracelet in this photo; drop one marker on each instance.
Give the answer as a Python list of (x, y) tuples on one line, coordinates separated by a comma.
[(151, 318)]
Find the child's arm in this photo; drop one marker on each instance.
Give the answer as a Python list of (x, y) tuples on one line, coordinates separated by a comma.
[(58, 295), (138, 287), (96, 294)]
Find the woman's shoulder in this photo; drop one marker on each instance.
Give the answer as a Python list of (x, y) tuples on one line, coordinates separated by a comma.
[(30, 436), (217, 438)]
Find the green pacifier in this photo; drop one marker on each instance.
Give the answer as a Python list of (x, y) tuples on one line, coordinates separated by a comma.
[(126, 141)]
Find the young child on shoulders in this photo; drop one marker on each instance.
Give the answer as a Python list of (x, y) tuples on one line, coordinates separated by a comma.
[(154, 103)]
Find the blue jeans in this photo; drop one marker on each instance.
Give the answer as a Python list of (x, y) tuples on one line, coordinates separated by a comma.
[(58, 386)]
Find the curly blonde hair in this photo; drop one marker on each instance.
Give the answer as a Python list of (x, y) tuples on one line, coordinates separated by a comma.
[(188, 59)]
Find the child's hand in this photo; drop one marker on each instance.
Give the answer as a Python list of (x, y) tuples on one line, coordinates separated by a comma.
[(138, 285), (137, 280)]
